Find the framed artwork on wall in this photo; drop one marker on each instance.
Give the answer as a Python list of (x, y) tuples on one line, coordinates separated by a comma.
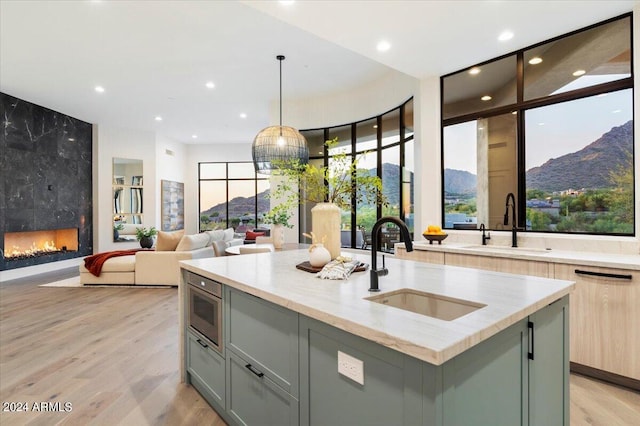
[(172, 205)]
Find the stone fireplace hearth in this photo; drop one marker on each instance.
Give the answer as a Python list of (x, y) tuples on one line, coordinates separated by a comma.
[(45, 184)]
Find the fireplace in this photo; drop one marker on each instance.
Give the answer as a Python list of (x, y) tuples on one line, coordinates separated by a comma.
[(46, 186), (34, 244)]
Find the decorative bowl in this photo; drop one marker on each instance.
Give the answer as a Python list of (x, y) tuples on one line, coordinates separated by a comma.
[(435, 237)]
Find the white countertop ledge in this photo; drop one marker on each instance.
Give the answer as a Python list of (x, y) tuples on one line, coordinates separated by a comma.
[(586, 258), (274, 277)]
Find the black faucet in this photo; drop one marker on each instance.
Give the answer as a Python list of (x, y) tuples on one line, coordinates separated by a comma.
[(514, 223), (486, 236), (404, 235)]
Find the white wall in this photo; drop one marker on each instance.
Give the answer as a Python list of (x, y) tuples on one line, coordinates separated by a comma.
[(171, 164), (346, 107)]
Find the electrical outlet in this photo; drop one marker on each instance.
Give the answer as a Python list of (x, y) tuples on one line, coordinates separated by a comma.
[(351, 367)]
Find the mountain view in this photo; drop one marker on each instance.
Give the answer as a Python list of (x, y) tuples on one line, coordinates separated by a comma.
[(588, 168), (589, 190), (241, 206)]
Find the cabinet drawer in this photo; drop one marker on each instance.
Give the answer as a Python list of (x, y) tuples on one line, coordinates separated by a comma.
[(266, 335), (207, 366), (499, 264), (256, 400)]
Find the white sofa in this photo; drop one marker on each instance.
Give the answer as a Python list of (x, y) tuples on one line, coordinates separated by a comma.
[(159, 267)]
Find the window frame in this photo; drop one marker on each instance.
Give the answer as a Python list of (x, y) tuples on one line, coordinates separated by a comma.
[(226, 179), (521, 106), (403, 139)]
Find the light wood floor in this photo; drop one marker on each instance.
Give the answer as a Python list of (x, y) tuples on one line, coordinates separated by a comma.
[(113, 354)]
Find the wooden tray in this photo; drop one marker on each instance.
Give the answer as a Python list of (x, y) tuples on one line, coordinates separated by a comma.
[(306, 266)]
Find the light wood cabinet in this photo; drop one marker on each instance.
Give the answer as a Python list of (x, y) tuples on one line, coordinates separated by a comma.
[(605, 318), (499, 264), (426, 256)]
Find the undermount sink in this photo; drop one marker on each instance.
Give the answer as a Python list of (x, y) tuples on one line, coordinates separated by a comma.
[(431, 305), (503, 249)]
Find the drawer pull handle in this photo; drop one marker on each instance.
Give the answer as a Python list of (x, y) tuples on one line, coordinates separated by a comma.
[(531, 352), (254, 371), (203, 344), (604, 274)]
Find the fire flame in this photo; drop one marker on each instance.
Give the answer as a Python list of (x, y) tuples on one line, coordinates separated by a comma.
[(34, 250)]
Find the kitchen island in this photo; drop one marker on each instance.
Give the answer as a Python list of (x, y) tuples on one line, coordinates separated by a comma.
[(300, 350)]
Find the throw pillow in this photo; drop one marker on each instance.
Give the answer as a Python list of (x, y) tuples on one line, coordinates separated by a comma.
[(215, 235), (228, 234), (252, 235), (193, 242), (168, 241)]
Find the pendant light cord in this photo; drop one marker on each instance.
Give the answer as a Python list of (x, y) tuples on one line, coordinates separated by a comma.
[(280, 58)]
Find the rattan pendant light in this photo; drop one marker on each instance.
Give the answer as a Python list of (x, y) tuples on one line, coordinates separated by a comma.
[(276, 144)]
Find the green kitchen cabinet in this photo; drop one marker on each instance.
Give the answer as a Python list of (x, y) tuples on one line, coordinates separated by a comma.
[(206, 369)]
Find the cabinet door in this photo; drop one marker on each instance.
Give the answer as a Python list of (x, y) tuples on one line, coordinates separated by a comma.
[(549, 368), (499, 264), (253, 399), (604, 319), (389, 395), (206, 368), (487, 384), (265, 335)]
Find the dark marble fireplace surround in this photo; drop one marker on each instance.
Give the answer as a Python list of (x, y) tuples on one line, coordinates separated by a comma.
[(45, 176)]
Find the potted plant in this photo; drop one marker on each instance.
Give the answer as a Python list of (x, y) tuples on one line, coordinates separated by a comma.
[(331, 189), (279, 217), (117, 227), (145, 236)]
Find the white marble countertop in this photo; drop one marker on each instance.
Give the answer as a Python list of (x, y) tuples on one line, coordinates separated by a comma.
[(586, 258), (274, 277)]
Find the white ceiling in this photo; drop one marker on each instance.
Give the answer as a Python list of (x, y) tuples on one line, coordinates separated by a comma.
[(154, 57)]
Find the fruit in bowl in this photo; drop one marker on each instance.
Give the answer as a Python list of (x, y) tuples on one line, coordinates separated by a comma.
[(434, 233)]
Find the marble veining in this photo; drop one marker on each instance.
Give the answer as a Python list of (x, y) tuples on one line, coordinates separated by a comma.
[(273, 277), (45, 175)]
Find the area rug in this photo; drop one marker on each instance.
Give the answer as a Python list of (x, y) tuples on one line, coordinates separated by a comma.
[(75, 282), (69, 282)]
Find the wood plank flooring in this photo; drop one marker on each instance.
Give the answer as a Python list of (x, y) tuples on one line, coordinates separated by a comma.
[(112, 353)]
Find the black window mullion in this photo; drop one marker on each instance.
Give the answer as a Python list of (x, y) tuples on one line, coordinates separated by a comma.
[(401, 163), (353, 186)]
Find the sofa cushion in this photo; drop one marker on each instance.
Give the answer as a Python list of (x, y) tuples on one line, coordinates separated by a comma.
[(250, 235), (215, 235), (168, 241), (193, 242)]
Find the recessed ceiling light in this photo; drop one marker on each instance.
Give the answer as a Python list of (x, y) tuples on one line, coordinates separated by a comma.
[(210, 85), (540, 124), (514, 112), (505, 35), (99, 89), (474, 71), (601, 95), (383, 46), (286, 2), (194, 136), (578, 73), (243, 115), (375, 126), (158, 118), (486, 98), (535, 60), (615, 111)]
